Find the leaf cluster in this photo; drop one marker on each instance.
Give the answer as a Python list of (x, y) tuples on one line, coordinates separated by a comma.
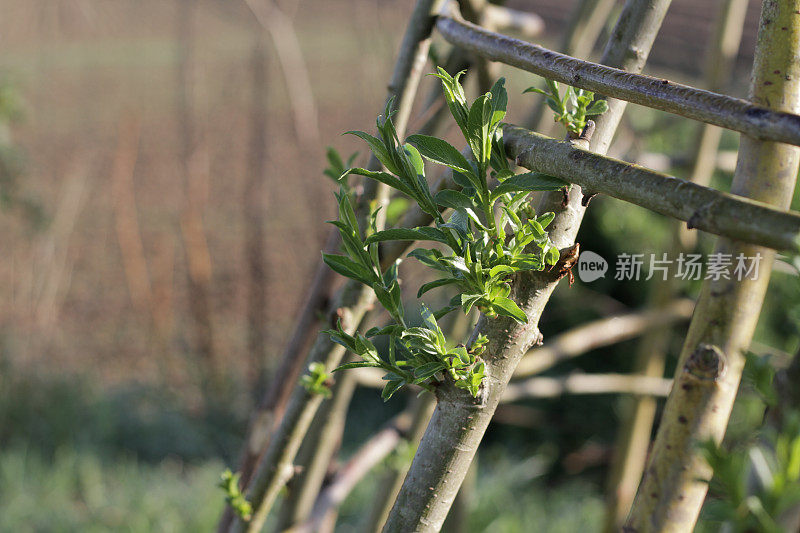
[(775, 467), (416, 355), (756, 482), (229, 482), (315, 382), (491, 234), (573, 108)]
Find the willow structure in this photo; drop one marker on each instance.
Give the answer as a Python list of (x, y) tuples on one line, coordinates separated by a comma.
[(752, 219)]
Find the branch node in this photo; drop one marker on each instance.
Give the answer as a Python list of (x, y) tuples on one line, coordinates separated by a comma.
[(707, 362)]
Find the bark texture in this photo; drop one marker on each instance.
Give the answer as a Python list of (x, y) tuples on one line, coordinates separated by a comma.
[(710, 367), (754, 119), (460, 421)]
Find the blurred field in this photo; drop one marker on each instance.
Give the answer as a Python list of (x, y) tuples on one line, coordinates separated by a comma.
[(102, 428)]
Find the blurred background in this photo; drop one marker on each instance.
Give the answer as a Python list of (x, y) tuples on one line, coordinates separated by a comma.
[(162, 210)]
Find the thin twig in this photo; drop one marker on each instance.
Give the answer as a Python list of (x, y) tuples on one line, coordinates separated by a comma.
[(543, 387)]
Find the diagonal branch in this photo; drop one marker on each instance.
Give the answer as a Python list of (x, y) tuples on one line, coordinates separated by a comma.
[(460, 421)]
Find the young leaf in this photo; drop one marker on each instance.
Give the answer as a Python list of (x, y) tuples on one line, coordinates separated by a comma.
[(423, 372), (507, 307), (536, 90), (454, 200), (423, 233), (530, 181), (545, 219), (348, 268), (383, 177), (434, 284), (378, 148), (391, 387), (499, 103), (597, 108), (478, 129), (440, 151), (357, 364)]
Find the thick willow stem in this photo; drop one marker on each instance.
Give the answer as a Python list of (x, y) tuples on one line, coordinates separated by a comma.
[(459, 420), (711, 363), (636, 426)]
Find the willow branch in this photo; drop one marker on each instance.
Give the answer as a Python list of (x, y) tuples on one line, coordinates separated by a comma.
[(598, 333), (370, 454), (712, 359), (316, 453), (459, 420), (756, 120), (544, 387), (636, 422), (295, 73), (528, 24), (720, 213), (353, 300)]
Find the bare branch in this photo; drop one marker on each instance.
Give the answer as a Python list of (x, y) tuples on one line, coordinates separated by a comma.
[(703, 208), (603, 332), (542, 387), (290, 55), (753, 119)]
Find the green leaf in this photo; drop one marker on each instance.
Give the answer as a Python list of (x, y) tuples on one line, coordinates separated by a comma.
[(469, 300), (423, 233), (383, 177), (428, 319), (391, 387), (499, 103), (530, 181), (428, 257), (478, 129), (454, 199), (555, 105), (423, 372), (458, 221), (434, 284), (367, 350), (378, 148), (385, 299), (552, 256), (348, 268), (393, 329), (507, 307), (339, 336), (357, 364), (597, 108), (444, 311), (545, 219), (440, 151), (536, 90), (415, 158), (500, 269)]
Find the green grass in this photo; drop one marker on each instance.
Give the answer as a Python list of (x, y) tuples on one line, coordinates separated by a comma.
[(79, 491)]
